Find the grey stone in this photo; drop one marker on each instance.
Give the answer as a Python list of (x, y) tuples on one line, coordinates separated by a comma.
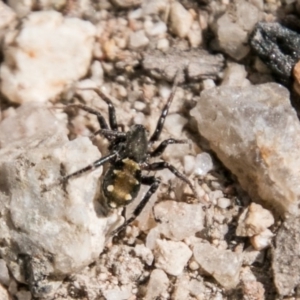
[(223, 265), (157, 285), (234, 26), (178, 220), (285, 256), (171, 256), (198, 64), (4, 275), (256, 133)]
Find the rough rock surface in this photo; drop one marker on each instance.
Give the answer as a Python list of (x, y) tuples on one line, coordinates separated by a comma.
[(56, 229), (28, 120), (223, 265), (185, 220), (262, 240), (234, 26), (255, 132), (286, 263), (35, 49), (197, 64), (157, 285), (7, 16), (171, 256)]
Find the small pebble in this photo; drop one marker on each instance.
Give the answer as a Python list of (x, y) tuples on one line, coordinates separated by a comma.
[(193, 265), (180, 19), (23, 295), (138, 105), (208, 84), (138, 40), (254, 220), (189, 164), (4, 275), (163, 44), (224, 202), (158, 284), (174, 124), (262, 240), (171, 256)]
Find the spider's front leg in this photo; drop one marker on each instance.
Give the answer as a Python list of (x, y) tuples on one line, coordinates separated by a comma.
[(96, 164), (111, 109), (160, 123), (163, 145)]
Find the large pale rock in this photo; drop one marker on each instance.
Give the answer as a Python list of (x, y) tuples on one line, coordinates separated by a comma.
[(50, 229), (44, 56), (256, 133)]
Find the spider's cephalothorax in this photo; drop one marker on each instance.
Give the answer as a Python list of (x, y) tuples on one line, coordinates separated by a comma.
[(129, 156)]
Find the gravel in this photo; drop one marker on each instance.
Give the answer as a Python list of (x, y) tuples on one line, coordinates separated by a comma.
[(239, 239)]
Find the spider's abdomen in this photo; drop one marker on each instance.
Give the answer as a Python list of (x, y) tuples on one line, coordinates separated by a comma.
[(121, 183)]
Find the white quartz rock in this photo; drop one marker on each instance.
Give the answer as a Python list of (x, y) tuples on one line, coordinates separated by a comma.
[(223, 265), (203, 164), (171, 256), (256, 133), (45, 55), (58, 228)]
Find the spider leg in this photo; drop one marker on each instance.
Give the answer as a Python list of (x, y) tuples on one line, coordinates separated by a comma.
[(96, 164), (111, 109), (163, 145), (101, 120), (164, 113), (164, 165), (154, 184)]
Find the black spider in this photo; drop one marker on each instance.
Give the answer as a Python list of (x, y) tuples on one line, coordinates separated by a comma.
[(129, 155)]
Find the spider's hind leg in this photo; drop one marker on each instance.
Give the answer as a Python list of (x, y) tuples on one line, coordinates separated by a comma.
[(154, 184), (164, 165)]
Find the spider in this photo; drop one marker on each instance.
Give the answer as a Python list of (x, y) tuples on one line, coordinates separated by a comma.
[(129, 154)]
